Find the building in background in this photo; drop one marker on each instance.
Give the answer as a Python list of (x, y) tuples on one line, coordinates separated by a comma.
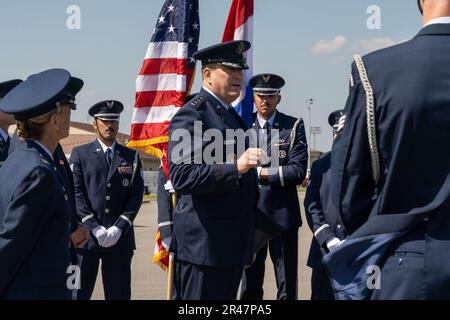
[(82, 133)]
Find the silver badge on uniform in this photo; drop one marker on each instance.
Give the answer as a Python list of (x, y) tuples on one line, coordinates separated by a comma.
[(282, 154), (125, 183)]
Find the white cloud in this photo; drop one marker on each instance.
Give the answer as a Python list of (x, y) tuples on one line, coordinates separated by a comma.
[(369, 45), (326, 46)]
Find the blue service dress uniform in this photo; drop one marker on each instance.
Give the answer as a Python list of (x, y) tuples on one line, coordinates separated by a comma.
[(4, 146), (165, 207), (215, 215), (64, 171), (278, 200), (401, 223), (34, 227), (107, 197), (324, 224)]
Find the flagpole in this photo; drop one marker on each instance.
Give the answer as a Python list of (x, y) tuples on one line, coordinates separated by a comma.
[(171, 260)]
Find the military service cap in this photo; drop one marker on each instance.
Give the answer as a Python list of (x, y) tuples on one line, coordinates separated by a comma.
[(108, 110), (40, 94), (266, 84), (333, 118), (7, 86), (230, 54)]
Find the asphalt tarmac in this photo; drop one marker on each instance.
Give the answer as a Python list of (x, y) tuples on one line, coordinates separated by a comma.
[(149, 281)]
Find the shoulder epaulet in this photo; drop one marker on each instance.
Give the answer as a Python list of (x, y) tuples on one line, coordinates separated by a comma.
[(44, 161), (197, 101), (299, 122)]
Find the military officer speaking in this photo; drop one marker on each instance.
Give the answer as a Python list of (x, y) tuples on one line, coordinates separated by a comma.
[(6, 120), (109, 191), (390, 169), (214, 219), (278, 198), (322, 219)]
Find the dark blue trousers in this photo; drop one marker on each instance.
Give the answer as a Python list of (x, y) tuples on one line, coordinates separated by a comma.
[(116, 274), (284, 254), (193, 282), (320, 285)]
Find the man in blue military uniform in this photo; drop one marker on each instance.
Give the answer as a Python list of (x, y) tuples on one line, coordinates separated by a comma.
[(325, 225), (109, 190), (165, 203), (278, 198), (35, 207), (391, 170), (6, 120), (214, 219)]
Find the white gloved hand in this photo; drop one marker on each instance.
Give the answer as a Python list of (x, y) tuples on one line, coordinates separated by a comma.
[(168, 186), (112, 237), (166, 242), (100, 234), (333, 244)]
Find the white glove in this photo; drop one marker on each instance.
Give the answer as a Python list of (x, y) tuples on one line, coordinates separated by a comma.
[(168, 186), (100, 233), (113, 236), (166, 242), (333, 244)]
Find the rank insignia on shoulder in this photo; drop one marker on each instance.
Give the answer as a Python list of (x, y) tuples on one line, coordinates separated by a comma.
[(198, 101)]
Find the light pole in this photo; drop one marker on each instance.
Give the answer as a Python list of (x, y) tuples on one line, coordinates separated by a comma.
[(315, 131), (309, 103)]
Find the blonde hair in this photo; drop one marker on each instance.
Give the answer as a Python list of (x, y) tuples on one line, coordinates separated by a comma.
[(34, 128)]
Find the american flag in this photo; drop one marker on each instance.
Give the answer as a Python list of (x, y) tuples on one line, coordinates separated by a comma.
[(166, 76)]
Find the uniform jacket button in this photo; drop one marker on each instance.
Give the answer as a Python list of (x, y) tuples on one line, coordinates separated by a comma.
[(108, 198), (106, 210), (108, 185), (339, 227)]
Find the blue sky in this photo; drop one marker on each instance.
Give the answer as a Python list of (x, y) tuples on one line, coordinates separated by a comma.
[(309, 43)]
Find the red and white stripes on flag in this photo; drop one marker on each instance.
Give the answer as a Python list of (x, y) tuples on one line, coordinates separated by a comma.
[(166, 76), (239, 26)]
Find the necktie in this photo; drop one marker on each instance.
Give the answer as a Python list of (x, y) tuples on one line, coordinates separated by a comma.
[(108, 157), (8, 140), (268, 137)]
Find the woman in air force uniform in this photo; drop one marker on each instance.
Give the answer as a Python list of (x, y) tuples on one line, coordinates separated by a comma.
[(34, 204)]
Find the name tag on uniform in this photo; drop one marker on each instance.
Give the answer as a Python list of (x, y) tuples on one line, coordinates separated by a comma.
[(281, 143)]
